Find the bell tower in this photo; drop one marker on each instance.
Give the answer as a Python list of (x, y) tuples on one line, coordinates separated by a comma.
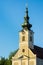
[(26, 35), (25, 54)]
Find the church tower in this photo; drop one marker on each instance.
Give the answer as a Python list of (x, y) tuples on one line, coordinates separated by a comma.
[(24, 55), (28, 53), (26, 35)]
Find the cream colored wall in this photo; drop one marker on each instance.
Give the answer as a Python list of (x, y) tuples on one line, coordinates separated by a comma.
[(20, 62), (27, 61), (27, 42), (29, 57), (24, 61), (16, 62), (32, 61)]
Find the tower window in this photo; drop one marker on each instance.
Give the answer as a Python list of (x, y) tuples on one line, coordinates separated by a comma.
[(23, 50), (30, 38), (23, 38)]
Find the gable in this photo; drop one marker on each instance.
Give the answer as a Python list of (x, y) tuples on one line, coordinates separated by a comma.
[(19, 54), (31, 54)]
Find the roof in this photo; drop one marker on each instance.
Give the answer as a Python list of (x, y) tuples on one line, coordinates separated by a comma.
[(38, 51)]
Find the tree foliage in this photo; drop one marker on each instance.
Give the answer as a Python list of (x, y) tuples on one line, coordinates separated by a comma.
[(2, 61), (7, 61), (12, 54)]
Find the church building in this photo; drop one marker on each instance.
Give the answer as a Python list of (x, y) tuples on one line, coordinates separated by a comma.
[(28, 53)]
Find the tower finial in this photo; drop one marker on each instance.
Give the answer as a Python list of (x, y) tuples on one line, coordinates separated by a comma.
[(27, 13), (26, 24), (26, 8), (26, 5)]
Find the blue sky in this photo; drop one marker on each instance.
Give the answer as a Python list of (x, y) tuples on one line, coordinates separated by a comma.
[(12, 14)]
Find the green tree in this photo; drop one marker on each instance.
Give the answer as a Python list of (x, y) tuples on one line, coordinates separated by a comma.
[(12, 54), (7, 61), (2, 61)]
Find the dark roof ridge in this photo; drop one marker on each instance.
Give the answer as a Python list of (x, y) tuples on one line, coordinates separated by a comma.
[(38, 51), (38, 47)]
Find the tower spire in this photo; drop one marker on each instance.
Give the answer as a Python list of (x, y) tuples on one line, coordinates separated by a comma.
[(26, 23)]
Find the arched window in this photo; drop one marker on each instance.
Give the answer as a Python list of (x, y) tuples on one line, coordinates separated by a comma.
[(23, 38), (23, 50)]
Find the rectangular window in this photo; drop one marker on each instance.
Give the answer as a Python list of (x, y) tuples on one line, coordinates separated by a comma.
[(23, 38)]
